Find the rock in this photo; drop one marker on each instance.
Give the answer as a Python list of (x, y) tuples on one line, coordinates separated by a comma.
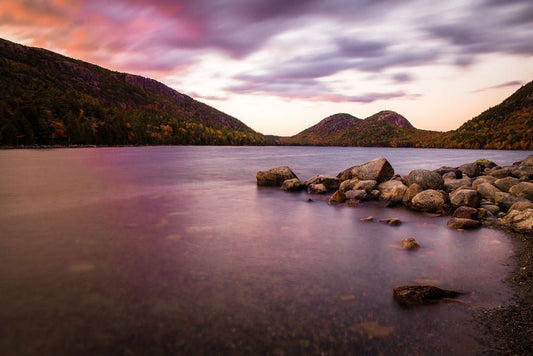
[(337, 198), (391, 221), (378, 169), (504, 184), (348, 184), (528, 162), (426, 179), (449, 172), (506, 200), (358, 194), (487, 190), (392, 190), (410, 243), (463, 224), (274, 177), (519, 221), (374, 194), (465, 212), (501, 172), (412, 295), (522, 189), (471, 169), (428, 201), (465, 197), (317, 189), (367, 185), (409, 194), (521, 205), (485, 163), (453, 184), (483, 179), (491, 208), (331, 183), (292, 185), (367, 219)]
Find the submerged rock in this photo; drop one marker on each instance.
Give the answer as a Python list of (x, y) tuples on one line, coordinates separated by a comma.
[(391, 221), (409, 243), (292, 185), (463, 223), (274, 177), (412, 295), (378, 169)]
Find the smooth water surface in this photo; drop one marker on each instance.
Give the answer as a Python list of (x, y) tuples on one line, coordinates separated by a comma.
[(174, 250)]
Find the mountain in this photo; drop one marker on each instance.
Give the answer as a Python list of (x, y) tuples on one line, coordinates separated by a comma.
[(48, 99), (385, 128), (508, 125)]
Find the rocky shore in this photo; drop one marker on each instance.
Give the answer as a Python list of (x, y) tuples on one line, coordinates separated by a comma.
[(473, 195)]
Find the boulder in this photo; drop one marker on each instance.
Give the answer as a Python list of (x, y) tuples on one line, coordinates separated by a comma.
[(463, 224), (528, 162), (504, 184), (449, 172), (274, 177), (331, 183), (412, 295), (487, 190), (317, 189), (506, 200), (337, 198), (348, 184), (491, 208), (410, 243), (392, 190), (453, 184), (358, 194), (378, 169), (465, 212), (485, 163), (409, 194), (483, 179), (367, 185), (522, 189), (292, 185), (465, 197), (521, 205), (426, 179), (501, 172), (428, 200), (471, 169), (519, 221)]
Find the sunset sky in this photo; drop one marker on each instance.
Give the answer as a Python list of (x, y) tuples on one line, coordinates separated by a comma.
[(281, 66)]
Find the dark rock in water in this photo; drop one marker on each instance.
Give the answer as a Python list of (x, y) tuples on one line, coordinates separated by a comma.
[(309, 200), (412, 295), (378, 169), (426, 179), (358, 194), (368, 218), (391, 221), (317, 189), (337, 198), (330, 183), (274, 177), (465, 212), (409, 243), (463, 223), (292, 185)]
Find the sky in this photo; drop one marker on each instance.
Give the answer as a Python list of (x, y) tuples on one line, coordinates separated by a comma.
[(281, 66)]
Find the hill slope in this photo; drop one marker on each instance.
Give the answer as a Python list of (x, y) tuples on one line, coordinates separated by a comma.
[(385, 128), (48, 98), (508, 125)]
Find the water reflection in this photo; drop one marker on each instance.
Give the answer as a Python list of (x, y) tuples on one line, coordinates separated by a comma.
[(175, 250)]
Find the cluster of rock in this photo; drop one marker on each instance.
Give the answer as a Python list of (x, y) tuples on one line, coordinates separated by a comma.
[(471, 193)]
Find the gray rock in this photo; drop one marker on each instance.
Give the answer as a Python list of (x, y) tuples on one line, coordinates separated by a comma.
[(465, 197), (471, 169), (504, 184), (317, 189), (331, 183), (378, 169), (483, 179), (520, 221), (428, 200), (522, 189), (453, 184), (292, 185), (410, 193), (491, 208), (487, 190), (463, 224), (274, 177), (506, 200), (392, 190), (449, 172), (501, 172), (426, 179), (358, 194), (348, 184), (367, 185)]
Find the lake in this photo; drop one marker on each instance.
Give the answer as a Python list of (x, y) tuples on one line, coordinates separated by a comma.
[(175, 250)]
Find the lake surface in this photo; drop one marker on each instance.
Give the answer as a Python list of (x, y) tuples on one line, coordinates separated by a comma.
[(175, 250)]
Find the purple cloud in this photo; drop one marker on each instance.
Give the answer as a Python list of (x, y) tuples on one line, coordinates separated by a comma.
[(513, 83)]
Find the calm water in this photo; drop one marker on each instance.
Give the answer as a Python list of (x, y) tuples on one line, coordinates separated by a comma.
[(174, 250)]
